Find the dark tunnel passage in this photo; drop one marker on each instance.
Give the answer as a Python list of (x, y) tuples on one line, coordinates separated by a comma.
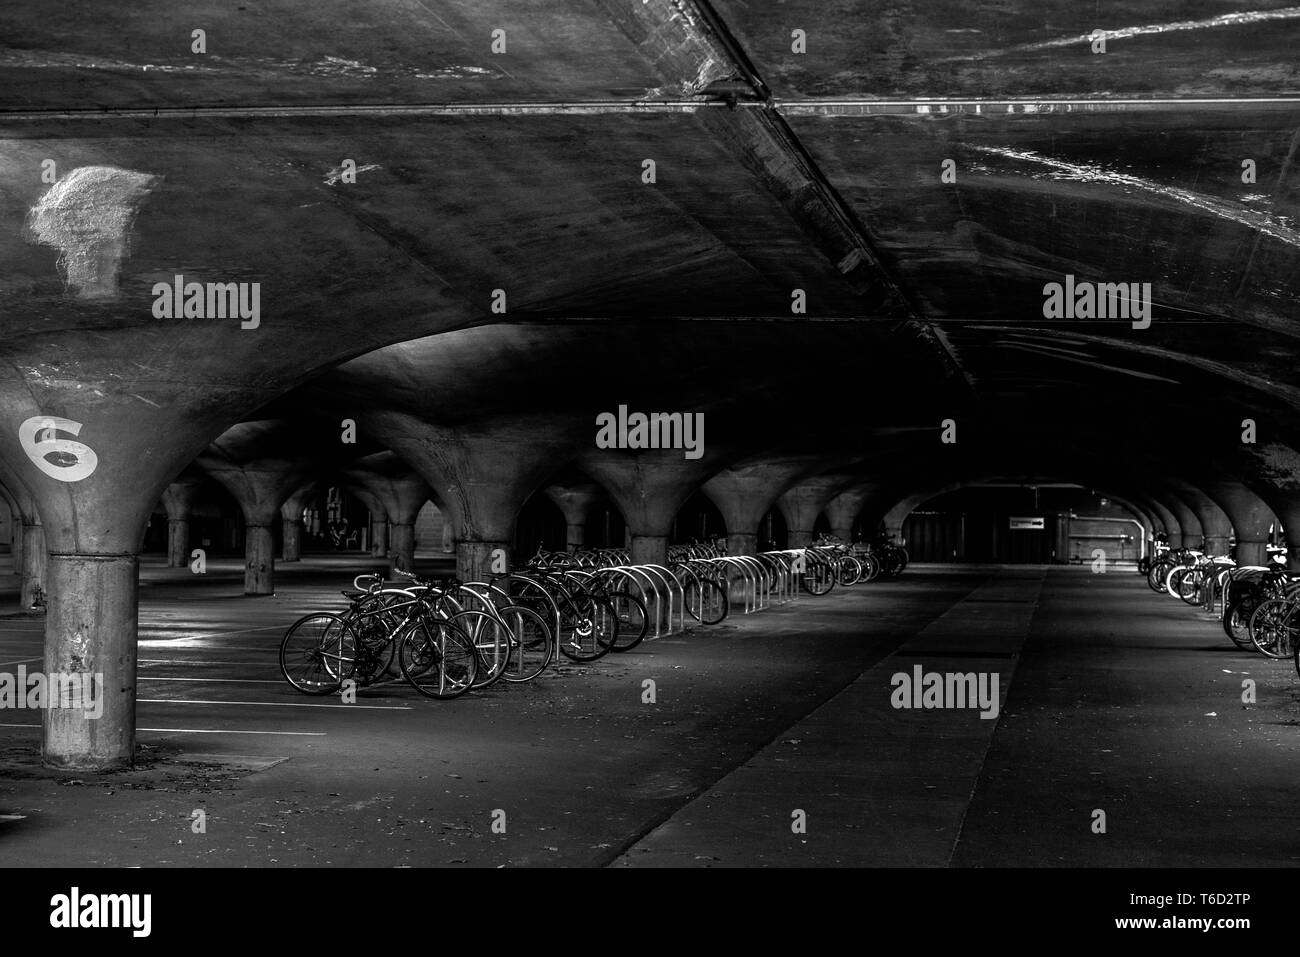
[(760, 352)]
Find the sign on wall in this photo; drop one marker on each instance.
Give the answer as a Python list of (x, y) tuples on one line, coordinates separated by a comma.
[(1025, 522)]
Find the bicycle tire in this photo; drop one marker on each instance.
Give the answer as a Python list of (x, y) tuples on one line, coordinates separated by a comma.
[(712, 601), (589, 629), (532, 646), (437, 659), (633, 620), (318, 653), (1271, 630)]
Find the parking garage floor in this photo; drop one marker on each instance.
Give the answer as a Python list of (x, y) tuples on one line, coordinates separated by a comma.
[(1112, 699)]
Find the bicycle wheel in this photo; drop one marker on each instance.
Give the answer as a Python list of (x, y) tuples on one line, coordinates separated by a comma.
[(1236, 620), (1189, 589), (1272, 630), (318, 653), (848, 572), (633, 620), (589, 629), (437, 659), (707, 602), (532, 646), (818, 577), (491, 640)]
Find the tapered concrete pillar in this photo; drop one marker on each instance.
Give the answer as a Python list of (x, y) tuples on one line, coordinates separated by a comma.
[(178, 499), (241, 461), (479, 561), (741, 543), (842, 511), (575, 501), (802, 505), (178, 542), (259, 559), (291, 532), (90, 633), (1251, 519), (745, 493), (32, 588), (1188, 522), (378, 513), (394, 490), (291, 522), (401, 546), (1286, 506), (1173, 530)]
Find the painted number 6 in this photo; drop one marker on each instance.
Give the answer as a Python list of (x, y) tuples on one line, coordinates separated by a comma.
[(72, 460)]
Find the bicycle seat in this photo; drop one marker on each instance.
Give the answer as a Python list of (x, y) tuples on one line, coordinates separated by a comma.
[(352, 594)]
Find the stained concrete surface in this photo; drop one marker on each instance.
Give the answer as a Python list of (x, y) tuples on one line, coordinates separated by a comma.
[(1106, 688)]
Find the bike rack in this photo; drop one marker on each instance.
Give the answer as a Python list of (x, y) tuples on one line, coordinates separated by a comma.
[(655, 611), (669, 580)]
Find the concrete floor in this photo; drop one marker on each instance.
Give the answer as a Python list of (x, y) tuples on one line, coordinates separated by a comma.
[(1112, 698)]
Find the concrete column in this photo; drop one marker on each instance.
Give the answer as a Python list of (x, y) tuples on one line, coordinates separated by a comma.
[(1188, 522), (742, 543), (575, 536), (32, 589), (16, 546), (291, 548), (178, 542), (1216, 544), (291, 522), (259, 560), (379, 536), (402, 546), (1251, 518), (178, 500), (1253, 552), (576, 502), (474, 560), (649, 550), (1173, 531), (90, 630), (802, 504), (843, 510)]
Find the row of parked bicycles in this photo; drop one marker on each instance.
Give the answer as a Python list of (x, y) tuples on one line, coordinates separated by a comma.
[(447, 637), (1259, 605)]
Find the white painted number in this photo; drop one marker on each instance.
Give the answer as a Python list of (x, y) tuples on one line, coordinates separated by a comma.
[(73, 460)]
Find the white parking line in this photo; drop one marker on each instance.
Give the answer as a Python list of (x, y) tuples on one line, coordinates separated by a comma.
[(301, 734), (192, 661), (5, 664), (279, 704), (235, 681)]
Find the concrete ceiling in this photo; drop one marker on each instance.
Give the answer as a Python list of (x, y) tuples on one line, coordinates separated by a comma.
[(775, 171)]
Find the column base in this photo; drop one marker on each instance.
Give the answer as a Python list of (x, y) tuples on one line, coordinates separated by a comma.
[(479, 561), (259, 560), (649, 550), (90, 653)]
